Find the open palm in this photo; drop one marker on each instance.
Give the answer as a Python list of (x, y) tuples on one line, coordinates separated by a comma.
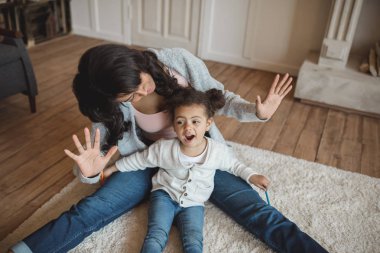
[(277, 92), (90, 160)]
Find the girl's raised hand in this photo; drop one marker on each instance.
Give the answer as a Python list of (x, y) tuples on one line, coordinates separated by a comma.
[(89, 160), (277, 92)]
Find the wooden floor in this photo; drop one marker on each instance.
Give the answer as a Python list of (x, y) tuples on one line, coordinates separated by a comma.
[(34, 166)]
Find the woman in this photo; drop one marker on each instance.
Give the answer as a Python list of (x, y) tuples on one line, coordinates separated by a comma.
[(123, 92)]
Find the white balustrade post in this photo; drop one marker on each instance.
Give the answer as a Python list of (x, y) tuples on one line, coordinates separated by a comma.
[(336, 45)]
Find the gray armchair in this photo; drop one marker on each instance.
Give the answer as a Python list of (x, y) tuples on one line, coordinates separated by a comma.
[(16, 71)]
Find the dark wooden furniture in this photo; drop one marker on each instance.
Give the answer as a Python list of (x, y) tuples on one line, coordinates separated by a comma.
[(37, 20), (16, 71)]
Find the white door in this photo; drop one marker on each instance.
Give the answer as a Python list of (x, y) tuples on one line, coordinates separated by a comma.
[(166, 23)]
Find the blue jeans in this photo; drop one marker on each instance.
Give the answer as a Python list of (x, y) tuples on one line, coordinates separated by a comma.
[(123, 191), (189, 220)]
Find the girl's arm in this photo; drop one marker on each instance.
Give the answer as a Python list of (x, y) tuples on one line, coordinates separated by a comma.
[(260, 181), (107, 172), (248, 174), (149, 157), (232, 165), (136, 161)]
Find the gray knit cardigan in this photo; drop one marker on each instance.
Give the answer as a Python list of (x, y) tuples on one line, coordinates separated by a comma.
[(195, 71)]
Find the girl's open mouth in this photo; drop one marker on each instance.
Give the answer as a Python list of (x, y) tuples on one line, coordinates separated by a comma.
[(189, 137)]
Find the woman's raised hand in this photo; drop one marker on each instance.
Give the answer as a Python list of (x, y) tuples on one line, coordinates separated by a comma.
[(277, 92), (89, 160)]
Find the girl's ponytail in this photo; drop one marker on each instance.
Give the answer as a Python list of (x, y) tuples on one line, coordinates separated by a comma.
[(216, 100)]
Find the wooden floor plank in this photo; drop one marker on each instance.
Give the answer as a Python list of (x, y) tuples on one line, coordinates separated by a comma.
[(370, 160), (310, 138), (351, 146), (329, 148), (295, 123)]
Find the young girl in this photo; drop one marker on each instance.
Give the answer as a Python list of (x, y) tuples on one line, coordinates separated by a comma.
[(123, 92), (187, 165)]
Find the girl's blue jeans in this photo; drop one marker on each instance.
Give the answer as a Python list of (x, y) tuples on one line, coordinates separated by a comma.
[(162, 212), (123, 191)]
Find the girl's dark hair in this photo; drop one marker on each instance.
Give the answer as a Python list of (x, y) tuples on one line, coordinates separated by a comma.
[(106, 71), (212, 100)]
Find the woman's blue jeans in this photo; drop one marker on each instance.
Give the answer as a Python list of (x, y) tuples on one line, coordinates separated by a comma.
[(123, 191), (162, 212)]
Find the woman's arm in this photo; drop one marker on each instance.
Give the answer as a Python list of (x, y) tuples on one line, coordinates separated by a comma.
[(196, 72), (260, 111)]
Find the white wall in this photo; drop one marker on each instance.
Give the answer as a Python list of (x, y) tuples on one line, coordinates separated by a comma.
[(265, 34), (273, 35)]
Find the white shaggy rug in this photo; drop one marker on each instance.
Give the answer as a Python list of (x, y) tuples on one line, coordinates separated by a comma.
[(339, 209)]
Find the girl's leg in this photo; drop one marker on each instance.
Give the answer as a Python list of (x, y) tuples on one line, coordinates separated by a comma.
[(190, 223), (235, 197), (161, 214), (120, 193)]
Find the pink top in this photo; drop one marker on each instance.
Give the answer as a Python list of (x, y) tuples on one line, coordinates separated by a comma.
[(158, 125)]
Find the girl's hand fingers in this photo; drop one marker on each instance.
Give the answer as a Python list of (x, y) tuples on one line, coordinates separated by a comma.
[(263, 187), (71, 155), (87, 138), (97, 139), (78, 144), (265, 183)]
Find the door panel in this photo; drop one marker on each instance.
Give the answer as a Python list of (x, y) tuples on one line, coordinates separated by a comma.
[(166, 23)]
